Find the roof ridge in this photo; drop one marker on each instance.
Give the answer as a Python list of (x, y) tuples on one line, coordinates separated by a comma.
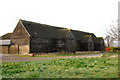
[(42, 24)]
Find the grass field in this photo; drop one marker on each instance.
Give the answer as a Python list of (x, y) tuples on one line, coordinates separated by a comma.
[(102, 67)]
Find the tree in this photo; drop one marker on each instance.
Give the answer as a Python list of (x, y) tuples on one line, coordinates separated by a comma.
[(109, 41), (112, 37)]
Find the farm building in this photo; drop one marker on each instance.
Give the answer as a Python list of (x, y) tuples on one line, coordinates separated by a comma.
[(31, 37)]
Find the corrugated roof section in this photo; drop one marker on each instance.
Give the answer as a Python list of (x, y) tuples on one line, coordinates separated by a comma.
[(5, 42)]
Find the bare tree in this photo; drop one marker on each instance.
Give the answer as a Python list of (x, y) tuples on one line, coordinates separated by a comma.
[(109, 41), (112, 36)]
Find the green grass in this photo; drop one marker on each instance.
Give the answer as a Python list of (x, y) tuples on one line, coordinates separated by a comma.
[(103, 67)]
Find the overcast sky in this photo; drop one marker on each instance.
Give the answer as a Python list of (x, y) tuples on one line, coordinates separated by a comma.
[(93, 16)]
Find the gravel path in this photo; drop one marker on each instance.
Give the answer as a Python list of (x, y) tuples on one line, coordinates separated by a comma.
[(14, 58)]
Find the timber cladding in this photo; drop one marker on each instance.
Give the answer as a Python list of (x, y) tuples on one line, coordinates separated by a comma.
[(20, 40), (20, 36), (38, 45)]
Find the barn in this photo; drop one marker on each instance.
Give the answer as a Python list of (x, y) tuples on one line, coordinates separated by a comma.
[(31, 37)]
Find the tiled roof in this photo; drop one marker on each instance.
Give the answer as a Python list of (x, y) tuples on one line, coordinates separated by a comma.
[(43, 30)]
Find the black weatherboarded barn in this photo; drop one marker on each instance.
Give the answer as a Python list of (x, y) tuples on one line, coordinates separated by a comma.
[(31, 37)]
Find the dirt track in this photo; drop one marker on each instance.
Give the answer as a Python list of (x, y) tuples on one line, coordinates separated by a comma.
[(15, 58)]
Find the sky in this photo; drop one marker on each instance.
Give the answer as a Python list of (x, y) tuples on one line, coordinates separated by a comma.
[(94, 16)]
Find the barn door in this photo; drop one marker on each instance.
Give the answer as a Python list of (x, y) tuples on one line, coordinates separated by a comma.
[(70, 45)]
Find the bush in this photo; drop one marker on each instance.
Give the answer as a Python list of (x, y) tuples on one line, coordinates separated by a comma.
[(116, 49)]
